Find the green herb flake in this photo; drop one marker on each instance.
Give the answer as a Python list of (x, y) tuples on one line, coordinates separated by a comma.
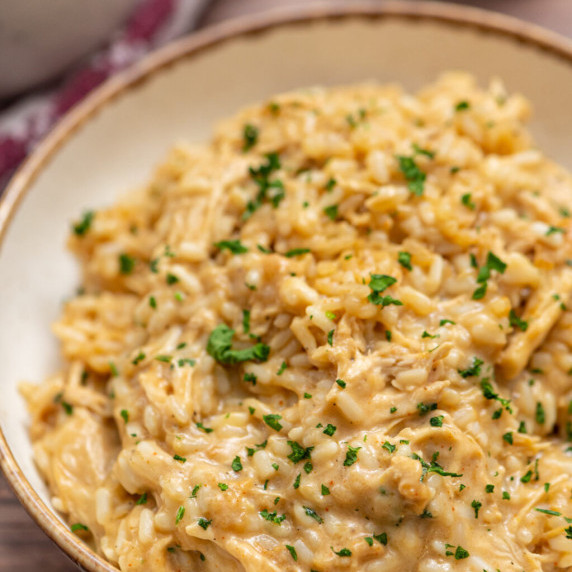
[(203, 428), (272, 420), (341, 383), (508, 437), (250, 136), (82, 227), (313, 514), (325, 490), (236, 464), (79, 527), (516, 322), (331, 337), (343, 553), (223, 486), (539, 414), (413, 174), (272, 517), (293, 552), (444, 322), (180, 515), (330, 429), (389, 447), (462, 105), (476, 507), (142, 499), (466, 200), (282, 367), (331, 212), (424, 408), (125, 415), (126, 264), (548, 512), (219, 346), (307, 395), (472, 371), (329, 186), (404, 258), (297, 481), (298, 453), (204, 523), (489, 489), (233, 246), (436, 421), (180, 459), (351, 456)]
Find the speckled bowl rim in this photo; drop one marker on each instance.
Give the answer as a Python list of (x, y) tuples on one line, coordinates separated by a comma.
[(481, 21)]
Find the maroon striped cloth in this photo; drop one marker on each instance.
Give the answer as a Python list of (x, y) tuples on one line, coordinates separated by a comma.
[(24, 123)]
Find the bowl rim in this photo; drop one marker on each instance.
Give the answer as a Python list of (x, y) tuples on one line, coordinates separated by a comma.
[(476, 19)]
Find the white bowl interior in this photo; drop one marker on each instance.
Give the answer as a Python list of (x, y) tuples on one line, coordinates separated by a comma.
[(118, 147)]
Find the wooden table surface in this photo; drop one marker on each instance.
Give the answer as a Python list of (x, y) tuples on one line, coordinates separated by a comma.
[(23, 546)]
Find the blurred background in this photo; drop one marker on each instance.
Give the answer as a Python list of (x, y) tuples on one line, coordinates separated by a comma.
[(52, 54)]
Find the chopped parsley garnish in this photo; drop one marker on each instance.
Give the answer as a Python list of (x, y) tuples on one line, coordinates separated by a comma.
[(445, 321), (493, 263), (331, 337), (488, 393), (466, 200), (138, 358), (164, 358), (261, 177), (171, 279), (203, 428), (413, 174), (236, 464), (344, 552), (142, 499), (506, 495), (540, 415), (297, 481), (126, 264), (341, 383), (549, 512), (388, 335), (554, 230), (351, 456), (516, 322), (313, 514), (381, 538), (298, 453), (186, 361), (331, 212), (404, 258), (526, 478), (389, 447), (508, 437), (325, 490), (420, 151), (433, 467), (79, 527), (153, 302), (473, 370), (308, 467), (246, 321), (296, 252), (424, 408), (330, 315), (461, 553), (330, 429), (426, 334), (223, 486), (272, 517), (82, 227), (293, 552), (180, 515), (233, 246), (436, 421), (180, 459), (378, 283), (329, 186), (282, 367), (489, 489), (250, 377), (204, 523), (272, 420), (125, 415), (462, 106), (250, 136), (307, 395), (476, 506), (219, 346)]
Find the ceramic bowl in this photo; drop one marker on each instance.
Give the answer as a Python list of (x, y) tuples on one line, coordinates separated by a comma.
[(112, 141), (41, 38)]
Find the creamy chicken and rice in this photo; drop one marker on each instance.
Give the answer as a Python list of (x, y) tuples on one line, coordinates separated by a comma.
[(336, 338)]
